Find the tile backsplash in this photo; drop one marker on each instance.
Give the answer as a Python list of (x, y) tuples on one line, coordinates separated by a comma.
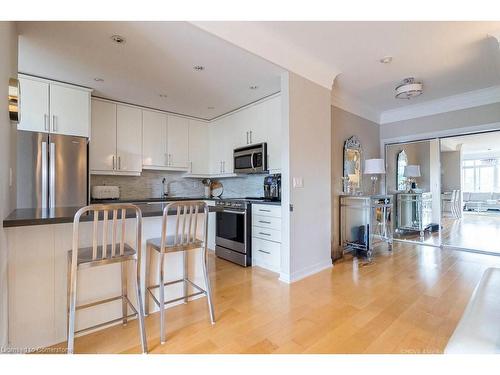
[(148, 185)]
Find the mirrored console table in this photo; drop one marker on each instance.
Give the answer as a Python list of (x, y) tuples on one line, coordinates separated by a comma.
[(413, 212), (365, 221)]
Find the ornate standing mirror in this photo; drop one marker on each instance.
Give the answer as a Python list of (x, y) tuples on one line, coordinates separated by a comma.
[(401, 163), (352, 165)]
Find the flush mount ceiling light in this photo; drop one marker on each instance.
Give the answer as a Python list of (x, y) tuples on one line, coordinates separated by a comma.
[(198, 68), (386, 60), (97, 79), (409, 88), (253, 87), (118, 39)]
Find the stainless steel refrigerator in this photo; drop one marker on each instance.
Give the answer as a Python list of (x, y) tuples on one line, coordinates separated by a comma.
[(51, 170)]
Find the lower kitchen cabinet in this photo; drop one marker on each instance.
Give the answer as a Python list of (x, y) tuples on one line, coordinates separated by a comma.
[(266, 236)]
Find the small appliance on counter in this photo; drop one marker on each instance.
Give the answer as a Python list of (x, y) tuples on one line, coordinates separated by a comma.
[(272, 187), (105, 192)]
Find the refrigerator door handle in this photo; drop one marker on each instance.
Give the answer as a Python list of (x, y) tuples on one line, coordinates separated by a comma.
[(44, 175), (52, 175)]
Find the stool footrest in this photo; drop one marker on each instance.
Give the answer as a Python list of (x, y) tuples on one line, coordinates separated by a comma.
[(107, 300)]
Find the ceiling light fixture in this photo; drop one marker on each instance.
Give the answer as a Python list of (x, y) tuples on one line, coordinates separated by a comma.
[(408, 88), (253, 87), (386, 60), (118, 39), (199, 68), (97, 79), (163, 96)]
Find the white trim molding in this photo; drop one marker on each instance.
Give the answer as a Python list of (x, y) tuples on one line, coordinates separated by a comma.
[(305, 272), (457, 102), (355, 106)]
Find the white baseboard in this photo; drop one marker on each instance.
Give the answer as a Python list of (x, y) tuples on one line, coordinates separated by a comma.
[(305, 272)]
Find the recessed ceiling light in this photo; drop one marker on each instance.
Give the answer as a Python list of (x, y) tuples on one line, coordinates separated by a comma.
[(164, 96), (210, 107), (199, 68), (253, 87), (97, 79), (386, 60), (118, 39)]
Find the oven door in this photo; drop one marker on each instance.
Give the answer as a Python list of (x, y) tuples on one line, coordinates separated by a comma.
[(231, 230)]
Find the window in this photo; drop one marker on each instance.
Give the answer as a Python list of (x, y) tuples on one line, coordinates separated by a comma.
[(481, 175)]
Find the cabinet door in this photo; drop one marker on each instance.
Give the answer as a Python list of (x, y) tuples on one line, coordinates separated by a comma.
[(34, 105), (221, 146), (177, 141), (257, 127), (103, 142), (239, 125), (154, 139), (128, 139), (69, 111), (198, 147), (272, 127)]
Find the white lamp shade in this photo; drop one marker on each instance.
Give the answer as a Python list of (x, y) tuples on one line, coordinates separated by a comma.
[(412, 171), (374, 166)]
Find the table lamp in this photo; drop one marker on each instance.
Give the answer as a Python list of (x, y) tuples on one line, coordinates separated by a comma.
[(411, 173), (374, 167)]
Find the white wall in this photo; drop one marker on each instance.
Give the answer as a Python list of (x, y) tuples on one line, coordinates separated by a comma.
[(306, 132), (8, 69)]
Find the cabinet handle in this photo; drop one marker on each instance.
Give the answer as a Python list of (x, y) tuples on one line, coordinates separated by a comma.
[(45, 122), (113, 162), (223, 166), (54, 128), (119, 162), (251, 140), (263, 210), (265, 234), (264, 222), (265, 252), (247, 138)]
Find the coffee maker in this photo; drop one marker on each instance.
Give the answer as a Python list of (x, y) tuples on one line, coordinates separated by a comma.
[(272, 187)]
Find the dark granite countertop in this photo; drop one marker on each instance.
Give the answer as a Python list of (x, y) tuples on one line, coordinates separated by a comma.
[(32, 216), (150, 207)]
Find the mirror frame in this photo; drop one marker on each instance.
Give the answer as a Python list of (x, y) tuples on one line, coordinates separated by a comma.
[(399, 157), (353, 143)]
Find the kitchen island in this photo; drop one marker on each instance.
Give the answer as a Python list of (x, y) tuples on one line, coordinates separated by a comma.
[(38, 242)]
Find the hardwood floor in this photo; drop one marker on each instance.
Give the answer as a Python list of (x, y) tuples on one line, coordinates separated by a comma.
[(407, 301)]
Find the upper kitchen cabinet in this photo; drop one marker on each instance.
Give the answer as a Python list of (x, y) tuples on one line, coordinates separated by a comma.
[(271, 128), (222, 142), (178, 142), (54, 107), (199, 150), (116, 144), (128, 139), (154, 140)]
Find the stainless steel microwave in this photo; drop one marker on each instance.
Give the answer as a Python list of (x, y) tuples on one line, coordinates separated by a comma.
[(251, 159)]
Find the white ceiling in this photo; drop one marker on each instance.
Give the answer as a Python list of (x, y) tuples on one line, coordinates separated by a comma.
[(157, 58), (449, 57), (473, 144)]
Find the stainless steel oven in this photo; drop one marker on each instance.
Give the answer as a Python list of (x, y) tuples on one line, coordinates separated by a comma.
[(232, 237), (251, 159)]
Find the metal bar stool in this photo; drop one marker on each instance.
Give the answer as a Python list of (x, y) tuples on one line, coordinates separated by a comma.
[(184, 238), (104, 254)]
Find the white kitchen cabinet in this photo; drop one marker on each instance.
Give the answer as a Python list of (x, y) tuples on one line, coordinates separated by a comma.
[(154, 139), (221, 147), (53, 107), (69, 110), (270, 128), (128, 139), (266, 236), (198, 147), (178, 142), (34, 105), (102, 148)]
